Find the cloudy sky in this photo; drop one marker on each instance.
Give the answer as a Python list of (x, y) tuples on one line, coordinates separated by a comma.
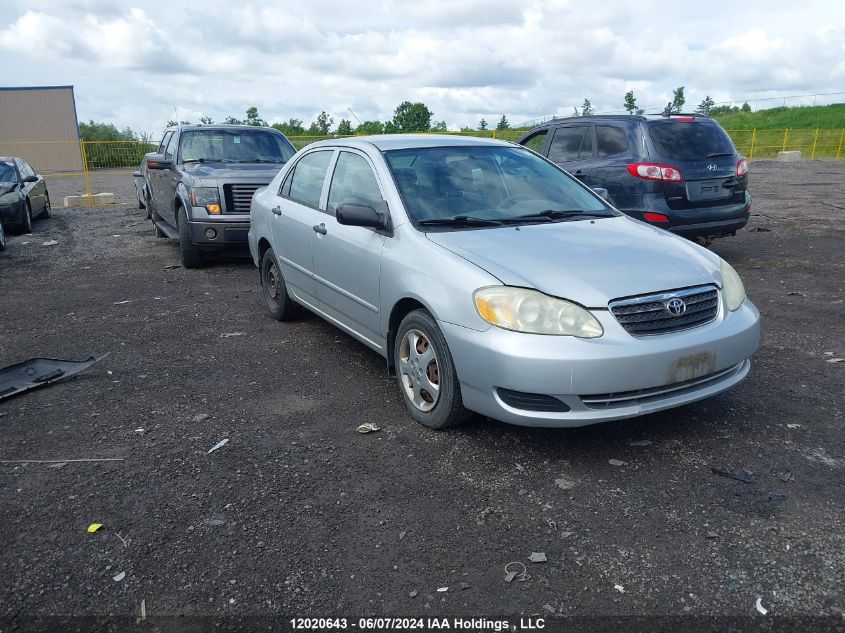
[(142, 65)]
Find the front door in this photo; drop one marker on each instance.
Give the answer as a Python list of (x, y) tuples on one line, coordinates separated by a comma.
[(294, 221), (347, 259)]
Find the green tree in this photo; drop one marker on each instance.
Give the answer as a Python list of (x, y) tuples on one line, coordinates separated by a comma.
[(95, 131), (291, 127), (587, 108), (390, 128), (412, 117), (322, 125), (230, 120), (370, 127), (575, 112), (439, 126), (344, 128), (678, 99), (745, 107), (705, 106), (482, 125), (503, 124), (252, 118), (631, 103), (206, 120), (466, 129)]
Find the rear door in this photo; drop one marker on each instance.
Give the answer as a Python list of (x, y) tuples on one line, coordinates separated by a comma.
[(615, 144), (347, 259), (295, 221), (707, 159), (573, 147)]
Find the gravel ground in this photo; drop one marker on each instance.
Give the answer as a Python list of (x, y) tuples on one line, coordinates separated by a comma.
[(299, 515)]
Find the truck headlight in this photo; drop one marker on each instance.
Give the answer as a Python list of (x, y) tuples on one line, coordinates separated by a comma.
[(732, 287), (530, 311), (207, 197)]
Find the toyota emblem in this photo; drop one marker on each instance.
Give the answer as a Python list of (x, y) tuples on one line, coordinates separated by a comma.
[(675, 307)]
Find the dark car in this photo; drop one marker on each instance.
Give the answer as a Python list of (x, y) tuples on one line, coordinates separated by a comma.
[(679, 172), (23, 195), (198, 187)]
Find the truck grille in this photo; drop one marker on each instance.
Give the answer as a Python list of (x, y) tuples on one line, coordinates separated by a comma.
[(239, 197), (657, 314)]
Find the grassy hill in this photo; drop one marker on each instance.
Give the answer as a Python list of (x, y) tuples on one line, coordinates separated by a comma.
[(807, 117)]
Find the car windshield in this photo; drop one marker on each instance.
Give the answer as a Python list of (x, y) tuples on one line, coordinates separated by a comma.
[(690, 140), (236, 146), (469, 186), (8, 175)]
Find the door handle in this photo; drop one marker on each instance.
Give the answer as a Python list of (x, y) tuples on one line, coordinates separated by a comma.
[(276, 210), (320, 228)]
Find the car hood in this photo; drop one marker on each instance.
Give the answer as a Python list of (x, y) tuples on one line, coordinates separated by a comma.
[(589, 262), (255, 172)]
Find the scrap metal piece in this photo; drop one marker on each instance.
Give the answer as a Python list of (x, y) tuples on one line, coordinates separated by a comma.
[(40, 372)]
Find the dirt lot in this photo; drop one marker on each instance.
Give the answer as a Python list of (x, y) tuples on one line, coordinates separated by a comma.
[(299, 515)]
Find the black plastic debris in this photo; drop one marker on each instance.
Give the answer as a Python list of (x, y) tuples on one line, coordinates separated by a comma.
[(746, 479), (40, 372)]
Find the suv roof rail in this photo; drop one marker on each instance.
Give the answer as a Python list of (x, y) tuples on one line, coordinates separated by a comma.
[(697, 115)]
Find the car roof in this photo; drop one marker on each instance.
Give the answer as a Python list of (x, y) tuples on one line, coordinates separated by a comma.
[(9, 158), (222, 126), (385, 142), (623, 117)]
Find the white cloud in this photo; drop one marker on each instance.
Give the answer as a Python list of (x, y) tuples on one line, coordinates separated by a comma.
[(464, 59)]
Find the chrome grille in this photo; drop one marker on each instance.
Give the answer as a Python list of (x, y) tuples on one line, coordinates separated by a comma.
[(649, 314), (239, 197)]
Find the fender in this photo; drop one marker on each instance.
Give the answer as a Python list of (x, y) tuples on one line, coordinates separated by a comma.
[(183, 196)]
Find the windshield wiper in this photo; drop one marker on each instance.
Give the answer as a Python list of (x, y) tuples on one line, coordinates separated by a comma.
[(559, 214), (715, 154), (460, 220), (207, 160), (264, 160)]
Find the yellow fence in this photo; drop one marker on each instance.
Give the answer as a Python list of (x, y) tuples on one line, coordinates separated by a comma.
[(83, 159)]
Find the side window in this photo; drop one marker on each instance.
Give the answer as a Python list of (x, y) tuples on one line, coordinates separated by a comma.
[(353, 181), (571, 143), (611, 140), (164, 141), (536, 141), (309, 173), (25, 169), (171, 147)]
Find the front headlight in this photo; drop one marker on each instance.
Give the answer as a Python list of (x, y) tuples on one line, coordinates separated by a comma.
[(530, 311), (9, 198), (207, 197), (732, 287)]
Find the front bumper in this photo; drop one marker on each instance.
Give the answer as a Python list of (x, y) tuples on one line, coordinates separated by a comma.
[(212, 235), (12, 214), (612, 377)]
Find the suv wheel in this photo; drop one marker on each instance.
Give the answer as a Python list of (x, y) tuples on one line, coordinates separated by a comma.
[(192, 256), (426, 373), (276, 296)]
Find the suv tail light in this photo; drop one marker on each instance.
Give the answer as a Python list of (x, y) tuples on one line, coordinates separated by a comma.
[(655, 171), (742, 167)]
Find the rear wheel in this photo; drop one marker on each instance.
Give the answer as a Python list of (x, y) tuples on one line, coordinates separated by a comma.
[(192, 256), (47, 206), (426, 373), (276, 296)]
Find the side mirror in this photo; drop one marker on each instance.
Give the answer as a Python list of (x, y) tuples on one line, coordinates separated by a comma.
[(137, 174), (158, 161), (353, 214), (602, 192), (30, 179)]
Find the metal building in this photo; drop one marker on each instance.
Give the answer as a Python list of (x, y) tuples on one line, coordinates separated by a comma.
[(39, 124)]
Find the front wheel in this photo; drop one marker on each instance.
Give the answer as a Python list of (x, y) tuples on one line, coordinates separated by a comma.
[(26, 225), (2, 238), (426, 373), (276, 296), (47, 206), (192, 256)]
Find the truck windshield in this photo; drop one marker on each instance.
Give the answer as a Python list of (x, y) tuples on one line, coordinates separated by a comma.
[(233, 146)]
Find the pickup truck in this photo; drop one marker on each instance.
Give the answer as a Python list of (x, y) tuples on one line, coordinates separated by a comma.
[(198, 186)]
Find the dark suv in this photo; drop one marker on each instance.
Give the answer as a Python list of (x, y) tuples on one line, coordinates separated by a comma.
[(679, 172), (198, 186)]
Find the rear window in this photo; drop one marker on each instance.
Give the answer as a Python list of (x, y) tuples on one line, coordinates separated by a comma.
[(690, 141)]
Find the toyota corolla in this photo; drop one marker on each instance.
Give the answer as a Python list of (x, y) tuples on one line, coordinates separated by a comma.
[(495, 283)]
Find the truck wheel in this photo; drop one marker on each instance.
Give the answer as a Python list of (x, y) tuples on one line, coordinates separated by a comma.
[(426, 373), (276, 296), (191, 255)]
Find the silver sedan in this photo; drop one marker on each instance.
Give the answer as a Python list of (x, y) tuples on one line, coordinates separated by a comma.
[(495, 283)]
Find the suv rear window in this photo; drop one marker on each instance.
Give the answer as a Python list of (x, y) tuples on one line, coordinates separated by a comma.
[(690, 141)]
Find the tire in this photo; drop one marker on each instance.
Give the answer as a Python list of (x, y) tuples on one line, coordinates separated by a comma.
[(145, 205), (2, 238), (418, 372), (274, 289), (192, 256), (26, 224), (47, 206)]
